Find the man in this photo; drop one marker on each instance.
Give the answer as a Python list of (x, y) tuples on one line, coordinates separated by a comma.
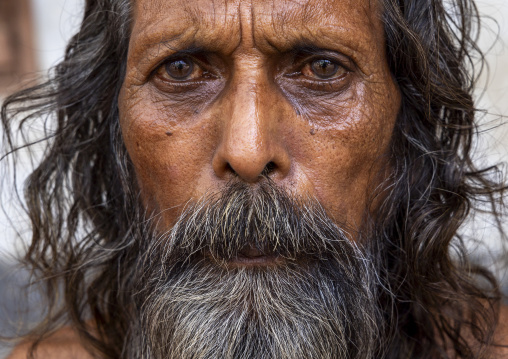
[(261, 179)]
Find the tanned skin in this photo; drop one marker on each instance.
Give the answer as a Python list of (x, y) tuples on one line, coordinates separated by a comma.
[(301, 85)]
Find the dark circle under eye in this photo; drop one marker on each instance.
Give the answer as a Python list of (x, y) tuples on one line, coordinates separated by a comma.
[(179, 69), (324, 68)]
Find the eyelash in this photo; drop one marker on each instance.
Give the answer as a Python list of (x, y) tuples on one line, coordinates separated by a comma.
[(175, 86), (314, 83)]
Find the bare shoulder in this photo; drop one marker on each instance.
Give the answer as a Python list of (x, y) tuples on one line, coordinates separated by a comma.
[(64, 343)]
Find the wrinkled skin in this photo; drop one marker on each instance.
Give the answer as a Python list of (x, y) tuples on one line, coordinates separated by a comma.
[(221, 90), (253, 104)]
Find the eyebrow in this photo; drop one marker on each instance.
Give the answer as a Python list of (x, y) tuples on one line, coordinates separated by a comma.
[(151, 42)]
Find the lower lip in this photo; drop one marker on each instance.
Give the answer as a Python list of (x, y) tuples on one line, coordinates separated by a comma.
[(257, 261)]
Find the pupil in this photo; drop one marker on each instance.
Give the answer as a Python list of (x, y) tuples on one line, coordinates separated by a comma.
[(179, 69), (324, 68)]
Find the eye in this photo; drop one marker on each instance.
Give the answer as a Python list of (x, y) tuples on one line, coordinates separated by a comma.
[(181, 69), (319, 71), (322, 69)]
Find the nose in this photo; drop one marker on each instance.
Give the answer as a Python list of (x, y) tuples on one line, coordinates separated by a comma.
[(251, 144)]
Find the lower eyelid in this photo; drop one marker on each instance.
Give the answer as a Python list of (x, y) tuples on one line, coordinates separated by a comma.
[(336, 84), (175, 87), (201, 83), (298, 75)]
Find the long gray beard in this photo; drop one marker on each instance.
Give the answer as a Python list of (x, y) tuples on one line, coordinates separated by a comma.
[(318, 302)]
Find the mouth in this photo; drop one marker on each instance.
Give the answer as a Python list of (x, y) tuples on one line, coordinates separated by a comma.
[(251, 256)]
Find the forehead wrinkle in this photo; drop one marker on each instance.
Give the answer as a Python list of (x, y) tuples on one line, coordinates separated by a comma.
[(190, 25), (295, 22), (218, 24), (200, 15), (247, 25), (224, 25)]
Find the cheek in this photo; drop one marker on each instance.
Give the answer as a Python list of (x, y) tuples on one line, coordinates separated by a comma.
[(347, 153), (167, 149)]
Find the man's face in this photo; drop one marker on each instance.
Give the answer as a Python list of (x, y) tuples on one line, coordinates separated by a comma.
[(258, 131), (299, 91)]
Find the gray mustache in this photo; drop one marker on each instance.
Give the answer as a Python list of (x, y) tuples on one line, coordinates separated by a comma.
[(264, 217)]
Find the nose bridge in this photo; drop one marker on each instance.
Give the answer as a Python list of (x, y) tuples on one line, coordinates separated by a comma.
[(249, 126), (249, 145)]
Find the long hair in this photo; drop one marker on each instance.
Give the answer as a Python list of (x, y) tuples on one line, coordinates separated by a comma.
[(78, 198)]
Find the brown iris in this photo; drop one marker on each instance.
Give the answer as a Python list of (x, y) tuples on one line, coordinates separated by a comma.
[(179, 69), (324, 68)]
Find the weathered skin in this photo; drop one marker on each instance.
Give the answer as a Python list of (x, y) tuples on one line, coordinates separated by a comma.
[(250, 102), (254, 102)]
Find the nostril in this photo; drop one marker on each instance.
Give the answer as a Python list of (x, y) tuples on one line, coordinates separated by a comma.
[(269, 168), (230, 169)]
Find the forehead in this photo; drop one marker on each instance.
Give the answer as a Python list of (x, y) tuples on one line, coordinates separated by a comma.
[(269, 25)]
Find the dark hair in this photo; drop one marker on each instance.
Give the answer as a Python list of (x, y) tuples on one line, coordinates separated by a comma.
[(434, 298)]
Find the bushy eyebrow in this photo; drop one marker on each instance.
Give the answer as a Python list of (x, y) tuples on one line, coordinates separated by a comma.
[(151, 41)]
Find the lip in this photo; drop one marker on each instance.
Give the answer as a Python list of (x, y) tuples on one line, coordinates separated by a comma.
[(251, 256), (260, 260)]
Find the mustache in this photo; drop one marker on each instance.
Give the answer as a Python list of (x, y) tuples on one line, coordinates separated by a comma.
[(265, 217)]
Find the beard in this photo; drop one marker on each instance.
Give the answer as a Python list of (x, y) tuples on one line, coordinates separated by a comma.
[(192, 298)]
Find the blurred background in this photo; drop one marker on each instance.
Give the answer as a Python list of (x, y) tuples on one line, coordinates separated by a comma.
[(33, 34)]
